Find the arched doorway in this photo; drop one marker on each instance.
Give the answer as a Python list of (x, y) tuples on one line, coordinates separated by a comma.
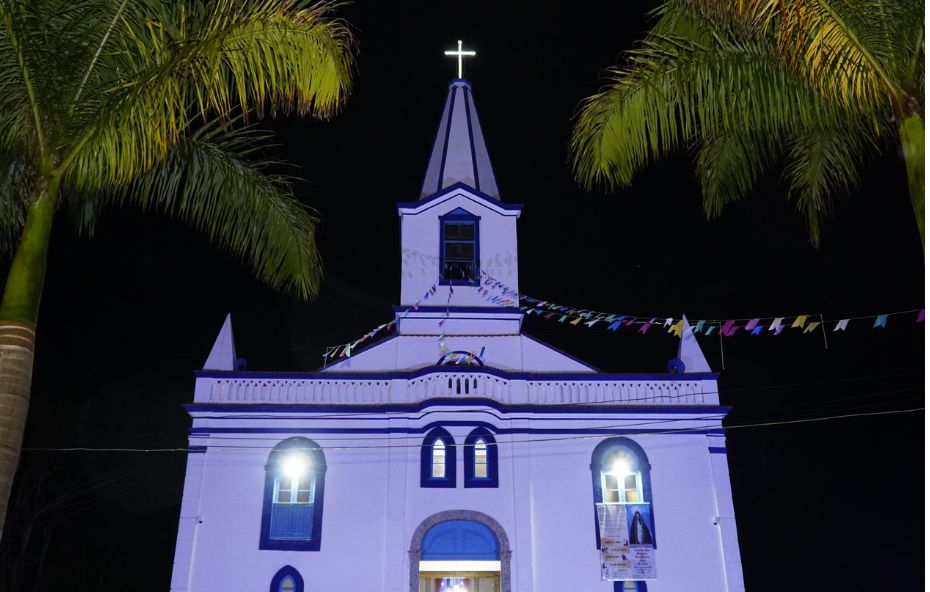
[(459, 551)]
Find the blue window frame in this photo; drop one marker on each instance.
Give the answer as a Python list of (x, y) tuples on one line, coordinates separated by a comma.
[(437, 459), (480, 459), (287, 580), (459, 253), (620, 475), (629, 586), (292, 512)]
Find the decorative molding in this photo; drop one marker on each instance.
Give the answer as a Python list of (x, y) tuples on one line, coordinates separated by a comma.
[(450, 382)]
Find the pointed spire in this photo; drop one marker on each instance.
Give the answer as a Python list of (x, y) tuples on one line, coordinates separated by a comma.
[(223, 354), (689, 351), (459, 154)]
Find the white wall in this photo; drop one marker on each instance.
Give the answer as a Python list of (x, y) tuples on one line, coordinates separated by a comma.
[(374, 502)]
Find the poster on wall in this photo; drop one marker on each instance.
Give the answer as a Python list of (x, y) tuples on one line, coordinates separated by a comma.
[(627, 551)]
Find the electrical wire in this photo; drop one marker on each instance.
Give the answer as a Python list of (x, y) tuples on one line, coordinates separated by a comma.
[(511, 442)]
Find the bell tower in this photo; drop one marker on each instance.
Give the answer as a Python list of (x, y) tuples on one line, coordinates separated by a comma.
[(458, 234)]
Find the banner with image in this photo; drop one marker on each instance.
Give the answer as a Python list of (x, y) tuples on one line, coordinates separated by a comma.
[(627, 551)]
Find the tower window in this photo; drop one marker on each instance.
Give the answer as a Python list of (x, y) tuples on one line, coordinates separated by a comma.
[(459, 248)]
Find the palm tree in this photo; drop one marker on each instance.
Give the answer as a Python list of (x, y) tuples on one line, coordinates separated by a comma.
[(816, 86), (136, 103)]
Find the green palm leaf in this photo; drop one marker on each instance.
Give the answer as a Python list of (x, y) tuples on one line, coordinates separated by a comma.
[(212, 181)]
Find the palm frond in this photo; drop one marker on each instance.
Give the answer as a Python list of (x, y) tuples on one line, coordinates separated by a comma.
[(728, 167), (223, 60), (823, 166), (676, 93), (207, 182), (15, 178), (842, 48)]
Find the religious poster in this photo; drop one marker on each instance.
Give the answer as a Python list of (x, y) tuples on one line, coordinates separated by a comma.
[(627, 551)]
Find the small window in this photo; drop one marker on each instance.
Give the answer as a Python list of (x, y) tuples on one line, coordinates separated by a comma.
[(459, 248), (480, 459), (287, 579), (287, 584), (437, 459)]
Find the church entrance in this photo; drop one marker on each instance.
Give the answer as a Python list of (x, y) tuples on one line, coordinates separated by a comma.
[(460, 555)]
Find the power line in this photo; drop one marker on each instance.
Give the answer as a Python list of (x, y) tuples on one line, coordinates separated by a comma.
[(511, 442)]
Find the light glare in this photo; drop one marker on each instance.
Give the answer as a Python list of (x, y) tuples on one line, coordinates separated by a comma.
[(295, 465), (621, 467)]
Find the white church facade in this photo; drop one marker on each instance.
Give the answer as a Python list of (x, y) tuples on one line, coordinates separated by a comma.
[(458, 454)]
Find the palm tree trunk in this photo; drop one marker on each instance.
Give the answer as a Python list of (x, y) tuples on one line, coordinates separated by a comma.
[(18, 313), (911, 132)]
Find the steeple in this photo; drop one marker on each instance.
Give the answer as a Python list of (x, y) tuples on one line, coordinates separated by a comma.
[(459, 154), (223, 354), (689, 351)]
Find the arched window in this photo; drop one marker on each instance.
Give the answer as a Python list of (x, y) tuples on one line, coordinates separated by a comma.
[(620, 476), (438, 470), (458, 252), (480, 459), (437, 459), (287, 580), (292, 513)]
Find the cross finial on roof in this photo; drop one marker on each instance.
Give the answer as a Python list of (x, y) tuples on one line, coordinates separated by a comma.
[(459, 54)]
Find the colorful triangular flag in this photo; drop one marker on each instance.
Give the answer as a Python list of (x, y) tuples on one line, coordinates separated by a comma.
[(811, 326)]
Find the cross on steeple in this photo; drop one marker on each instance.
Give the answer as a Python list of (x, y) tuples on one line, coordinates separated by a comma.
[(459, 54)]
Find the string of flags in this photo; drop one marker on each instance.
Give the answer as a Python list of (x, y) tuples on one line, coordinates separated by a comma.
[(497, 292), (344, 350)]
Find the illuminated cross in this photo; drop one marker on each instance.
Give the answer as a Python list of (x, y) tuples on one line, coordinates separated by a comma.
[(459, 54)]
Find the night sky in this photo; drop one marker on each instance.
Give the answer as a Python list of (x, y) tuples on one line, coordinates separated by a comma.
[(128, 316)]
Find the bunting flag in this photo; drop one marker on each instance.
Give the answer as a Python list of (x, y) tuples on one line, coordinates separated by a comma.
[(811, 326), (727, 328), (498, 293)]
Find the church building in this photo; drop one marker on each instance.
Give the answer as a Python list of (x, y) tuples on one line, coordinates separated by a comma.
[(457, 453)]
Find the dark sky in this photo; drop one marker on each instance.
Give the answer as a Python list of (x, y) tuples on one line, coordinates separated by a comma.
[(833, 505)]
